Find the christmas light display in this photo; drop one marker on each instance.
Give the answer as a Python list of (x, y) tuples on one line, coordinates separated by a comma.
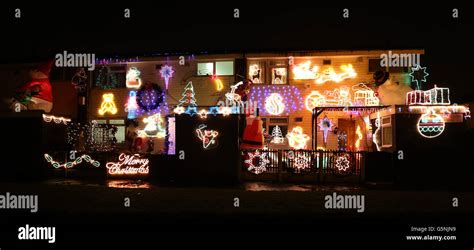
[(325, 125), (342, 163), (314, 99), (296, 138), (359, 138), (418, 76), (225, 110), (179, 110), (187, 98), (71, 164), (256, 162), (291, 98), (434, 96), (376, 137), (304, 71), (131, 106), (151, 99), (274, 104), (279, 75), (430, 124), (133, 80), (166, 73), (330, 75), (106, 80), (439, 109), (254, 73), (232, 96), (79, 80), (202, 113), (207, 137), (171, 136), (277, 136), (364, 96), (154, 127), (56, 119), (128, 165), (214, 110), (108, 104), (302, 162), (191, 110), (219, 85)]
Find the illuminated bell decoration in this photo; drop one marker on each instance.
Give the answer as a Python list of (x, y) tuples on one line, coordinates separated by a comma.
[(274, 104), (108, 105), (133, 80), (430, 124), (296, 138)]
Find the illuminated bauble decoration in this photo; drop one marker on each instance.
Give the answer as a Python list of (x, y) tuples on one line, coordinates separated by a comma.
[(430, 124), (296, 138), (133, 78), (257, 162), (274, 104), (313, 100)]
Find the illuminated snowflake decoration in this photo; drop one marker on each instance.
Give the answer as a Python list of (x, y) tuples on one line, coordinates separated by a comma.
[(342, 163), (418, 74), (302, 162), (257, 162)]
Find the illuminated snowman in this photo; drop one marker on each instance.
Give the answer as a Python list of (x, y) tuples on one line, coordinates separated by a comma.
[(430, 124)]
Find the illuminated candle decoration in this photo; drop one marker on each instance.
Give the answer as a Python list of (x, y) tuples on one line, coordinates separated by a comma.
[(274, 104), (232, 96), (131, 105), (325, 125), (418, 75), (296, 138), (254, 73), (359, 138), (330, 75), (71, 164), (154, 127), (302, 162), (133, 80), (291, 95), (342, 163), (55, 119), (257, 162), (207, 137), (166, 72), (430, 124), (128, 165), (434, 96), (277, 136), (364, 96), (108, 105), (304, 71), (219, 85)]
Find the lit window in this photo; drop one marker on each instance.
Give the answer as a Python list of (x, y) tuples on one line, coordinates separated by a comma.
[(278, 75), (120, 124), (225, 68), (204, 69)]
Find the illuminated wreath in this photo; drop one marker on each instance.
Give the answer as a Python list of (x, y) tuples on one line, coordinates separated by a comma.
[(149, 97)]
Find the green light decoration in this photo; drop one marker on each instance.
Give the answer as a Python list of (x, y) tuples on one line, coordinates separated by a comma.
[(418, 74)]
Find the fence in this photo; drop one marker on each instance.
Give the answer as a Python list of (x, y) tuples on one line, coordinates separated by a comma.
[(285, 164)]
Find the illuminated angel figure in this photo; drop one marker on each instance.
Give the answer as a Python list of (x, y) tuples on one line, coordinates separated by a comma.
[(208, 137), (154, 127)]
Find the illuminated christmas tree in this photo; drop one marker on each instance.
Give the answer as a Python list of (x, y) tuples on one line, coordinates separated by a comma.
[(188, 96), (277, 136)]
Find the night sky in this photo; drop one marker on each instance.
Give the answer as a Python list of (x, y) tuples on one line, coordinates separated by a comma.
[(183, 28)]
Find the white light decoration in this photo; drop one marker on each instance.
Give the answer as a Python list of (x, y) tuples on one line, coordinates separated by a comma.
[(202, 113), (131, 106), (208, 137), (302, 162), (166, 73), (71, 164), (179, 110), (314, 99), (430, 124), (274, 104), (128, 165), (225, 110), (279, 76), (434, 96), (133, 80), (108, 104), (364, 96), (304, 71), (342, 163), (254, 73), (232, 96), (56, 119), (441, 109), (325, 125), (261, 165), (376, 136), (330, 75), (277, 136), (359, 138), (153, 128), (296, 138)]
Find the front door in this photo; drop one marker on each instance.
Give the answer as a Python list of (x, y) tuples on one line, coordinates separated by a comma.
[(345, 134)]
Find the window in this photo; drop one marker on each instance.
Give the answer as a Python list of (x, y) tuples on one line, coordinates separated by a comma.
[(109, 77), (225, 68), (374, 65), (219, 68), (386, 131), (204, 69), (279, 75), (120, 124), (256, 72)]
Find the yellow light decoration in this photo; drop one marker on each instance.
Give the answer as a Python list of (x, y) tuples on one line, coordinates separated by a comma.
[(330, 75), (154, 127), (178, 110), (274, 104), (376, 136), (303, 71), (296, 138), (108, 105), (359, 137), (313, 100), (219, 85)]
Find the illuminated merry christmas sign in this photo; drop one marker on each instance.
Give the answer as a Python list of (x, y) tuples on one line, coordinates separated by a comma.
[(129, 165)]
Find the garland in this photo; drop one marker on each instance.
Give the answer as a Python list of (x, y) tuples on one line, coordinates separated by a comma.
[(150, 98)]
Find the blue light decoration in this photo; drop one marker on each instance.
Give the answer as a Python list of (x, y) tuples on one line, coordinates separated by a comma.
[(418, 76), (214, 110), (151, 100), (132, 105), (191, 110), (292, 98)]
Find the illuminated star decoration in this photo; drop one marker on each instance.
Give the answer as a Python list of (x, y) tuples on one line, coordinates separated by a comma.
[(418, 76), (203, 113), (325, 125), (259, 167), (191, 110), (166, 72), (214, 110)]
